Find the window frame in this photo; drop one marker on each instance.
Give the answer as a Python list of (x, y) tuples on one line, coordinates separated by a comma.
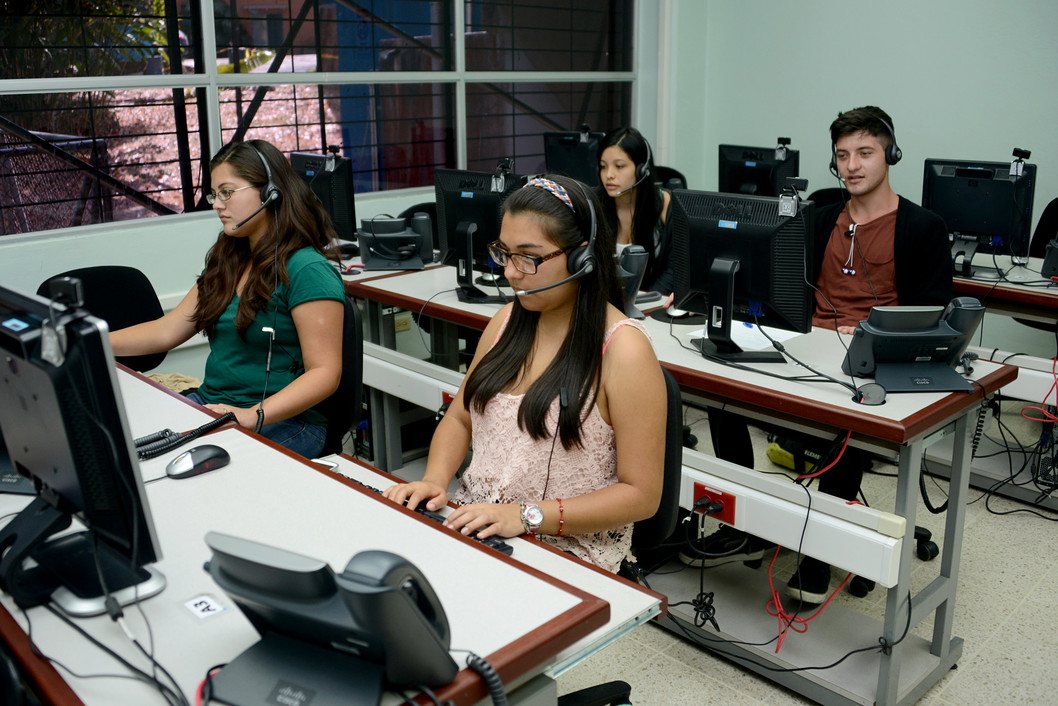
[(644, 92)]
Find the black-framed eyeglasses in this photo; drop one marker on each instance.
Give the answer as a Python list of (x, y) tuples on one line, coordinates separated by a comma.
[(223, 194), (526, 264)]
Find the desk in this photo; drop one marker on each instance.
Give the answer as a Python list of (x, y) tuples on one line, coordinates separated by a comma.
[(1023, 293), (905, 425), (271, 496)]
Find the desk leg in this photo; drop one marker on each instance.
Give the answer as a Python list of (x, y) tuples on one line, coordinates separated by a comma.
[(939, 596), (897, 608), (958, 491)]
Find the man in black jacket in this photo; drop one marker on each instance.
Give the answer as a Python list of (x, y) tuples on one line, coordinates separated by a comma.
[(872, 248)]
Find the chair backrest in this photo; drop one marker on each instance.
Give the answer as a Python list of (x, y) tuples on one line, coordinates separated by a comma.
[(1046, 230), (342, 408), (669, 178), (122, 296), (651, 532), (825, 197)]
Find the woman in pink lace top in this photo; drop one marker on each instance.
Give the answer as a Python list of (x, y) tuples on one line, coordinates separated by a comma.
[(564, 400)]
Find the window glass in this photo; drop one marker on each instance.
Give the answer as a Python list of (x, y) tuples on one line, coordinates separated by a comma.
[(100, 38), (129, 144), (549, 35), (509, 119), (69, 159), (368, 35), (396, 134)]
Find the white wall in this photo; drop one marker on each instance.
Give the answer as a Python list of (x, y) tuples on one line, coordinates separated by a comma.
[(965, 79)]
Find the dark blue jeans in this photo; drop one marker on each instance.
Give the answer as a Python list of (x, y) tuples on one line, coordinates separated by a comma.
[(294, 434)]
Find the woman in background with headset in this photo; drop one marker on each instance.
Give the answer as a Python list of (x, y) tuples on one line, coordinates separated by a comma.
[(637, 210), (268, 299), (564, 400)]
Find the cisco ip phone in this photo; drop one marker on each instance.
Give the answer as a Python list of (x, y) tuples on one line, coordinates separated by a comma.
[(341, 636)]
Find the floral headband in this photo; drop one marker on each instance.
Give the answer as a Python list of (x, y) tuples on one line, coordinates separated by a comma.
[(554, 188)]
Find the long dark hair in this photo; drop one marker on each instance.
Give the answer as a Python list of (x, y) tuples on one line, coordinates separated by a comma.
[(298, 221), (578, 370), (646, 210)]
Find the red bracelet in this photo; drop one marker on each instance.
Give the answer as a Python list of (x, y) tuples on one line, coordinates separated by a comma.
[(561, 519)]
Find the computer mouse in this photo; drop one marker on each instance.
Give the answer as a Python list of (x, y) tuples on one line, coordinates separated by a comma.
[(197, 461), (675, 313)]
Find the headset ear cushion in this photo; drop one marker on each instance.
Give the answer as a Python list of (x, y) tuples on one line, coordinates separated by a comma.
[(580, 259), (270, 194), (642, 171), (893, 154)]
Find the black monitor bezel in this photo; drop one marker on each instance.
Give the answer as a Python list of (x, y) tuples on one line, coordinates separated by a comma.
[(1007, 213), (776, 260), (333, 187), (454, 190), (75, 445), (731, 158), (574, 154)]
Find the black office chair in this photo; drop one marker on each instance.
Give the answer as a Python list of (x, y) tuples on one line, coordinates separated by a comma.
[(13, 690), (669, 178), (342, 408), (122, 296), (647, 535), (825, 197), (1046, 231)]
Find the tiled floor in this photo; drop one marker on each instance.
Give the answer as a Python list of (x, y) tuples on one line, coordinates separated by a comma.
[(1005, 611)]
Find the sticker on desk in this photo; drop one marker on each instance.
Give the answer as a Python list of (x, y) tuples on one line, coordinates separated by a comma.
[(204, 606)]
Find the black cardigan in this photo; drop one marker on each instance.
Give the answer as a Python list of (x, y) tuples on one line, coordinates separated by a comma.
[(922, 253)]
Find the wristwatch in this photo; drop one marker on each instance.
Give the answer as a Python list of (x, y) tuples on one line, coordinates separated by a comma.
[(532, 517)]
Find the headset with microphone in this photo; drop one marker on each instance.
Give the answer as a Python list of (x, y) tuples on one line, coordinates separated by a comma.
[(269, 192), (893, 153), (580, 262)]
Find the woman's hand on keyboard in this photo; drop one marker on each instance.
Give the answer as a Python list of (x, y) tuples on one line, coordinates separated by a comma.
[(488, 519), (417, 492)]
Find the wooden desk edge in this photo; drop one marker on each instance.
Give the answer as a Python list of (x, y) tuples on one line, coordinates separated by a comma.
[(45, 679)]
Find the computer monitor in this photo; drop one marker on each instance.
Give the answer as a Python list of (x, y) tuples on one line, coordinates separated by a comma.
[(737, 258), (338, 635), (756, 171), (984, 205), (63, 418), (469, 211), (331, 178), (574, 154)]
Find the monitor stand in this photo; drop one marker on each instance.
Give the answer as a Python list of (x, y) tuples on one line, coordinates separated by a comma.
[(66, 571), (472, 295), (491, 279), (963, 249), (718, 320), (465, 289), (920, 377), (282, 670)]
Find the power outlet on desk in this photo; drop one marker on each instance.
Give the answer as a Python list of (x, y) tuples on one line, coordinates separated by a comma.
[(727, 515)]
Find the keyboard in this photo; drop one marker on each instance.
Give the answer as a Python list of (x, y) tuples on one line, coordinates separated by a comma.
[(494, 543)]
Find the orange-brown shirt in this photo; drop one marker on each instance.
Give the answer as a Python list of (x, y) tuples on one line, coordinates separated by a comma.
[(858, 271)]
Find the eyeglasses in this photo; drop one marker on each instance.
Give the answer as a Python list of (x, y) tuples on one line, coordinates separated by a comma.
[(223, 194), (526, 264)]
